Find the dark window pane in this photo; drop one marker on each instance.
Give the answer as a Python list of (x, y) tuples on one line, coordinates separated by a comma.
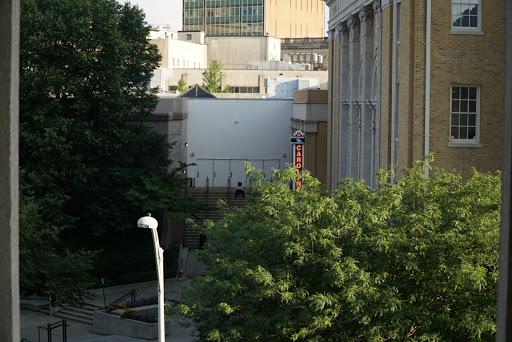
[(455, 106), (472, 93), (243, 89), (463, 120), (472, 120), (464, 106), (472, 106), (463, 133), (455, 92), (464, 92), (471, 132), (465, 21), (474, 10), (473, 22), (456, 21), (455, 119)]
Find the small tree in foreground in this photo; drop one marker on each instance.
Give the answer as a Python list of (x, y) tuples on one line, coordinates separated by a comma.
[(416, 260)]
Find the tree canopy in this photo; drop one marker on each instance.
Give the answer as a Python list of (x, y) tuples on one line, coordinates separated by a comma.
[(87, 162), (414, 260)]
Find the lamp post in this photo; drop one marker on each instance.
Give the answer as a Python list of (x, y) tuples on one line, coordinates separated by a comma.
[(152, 223)]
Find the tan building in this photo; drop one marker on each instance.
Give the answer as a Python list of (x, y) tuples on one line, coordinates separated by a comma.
[(409, 78), (235, 52), (310, 117), (254, 83), (276, 18)]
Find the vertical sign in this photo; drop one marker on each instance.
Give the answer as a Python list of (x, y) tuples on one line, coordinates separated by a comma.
[(298, 140)]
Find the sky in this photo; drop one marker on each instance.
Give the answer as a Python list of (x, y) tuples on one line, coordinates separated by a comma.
[(168, 12), (161, 12)]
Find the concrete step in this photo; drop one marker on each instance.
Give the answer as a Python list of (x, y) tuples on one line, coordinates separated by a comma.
[(83, 314), (192, 236)]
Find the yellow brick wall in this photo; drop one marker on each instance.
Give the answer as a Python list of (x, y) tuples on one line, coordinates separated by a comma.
[(468, 60)]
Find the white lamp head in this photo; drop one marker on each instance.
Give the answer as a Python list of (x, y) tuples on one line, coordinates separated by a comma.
[(147, 222)]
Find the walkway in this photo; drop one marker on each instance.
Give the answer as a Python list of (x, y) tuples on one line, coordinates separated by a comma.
[(82, 332)]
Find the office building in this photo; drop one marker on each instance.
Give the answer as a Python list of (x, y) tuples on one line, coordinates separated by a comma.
[(275, 18)]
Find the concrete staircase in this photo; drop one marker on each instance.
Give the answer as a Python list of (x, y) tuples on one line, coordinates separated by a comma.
[(82, 314), (192, 237)]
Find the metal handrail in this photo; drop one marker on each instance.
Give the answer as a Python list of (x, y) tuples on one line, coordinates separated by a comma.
[(229, 187), (132, 294), (49, 327)]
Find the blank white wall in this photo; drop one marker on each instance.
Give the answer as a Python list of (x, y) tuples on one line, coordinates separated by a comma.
[(238, 129)]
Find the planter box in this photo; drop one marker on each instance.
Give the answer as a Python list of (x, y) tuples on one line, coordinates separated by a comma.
[(112, 324)]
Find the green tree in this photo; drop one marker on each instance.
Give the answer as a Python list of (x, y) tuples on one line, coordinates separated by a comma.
[(85, 156), (182, 85), (212, 78), (414, 260)]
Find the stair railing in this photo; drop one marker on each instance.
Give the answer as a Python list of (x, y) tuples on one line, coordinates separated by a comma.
[(49, 327), (132, 295), (207, 195)]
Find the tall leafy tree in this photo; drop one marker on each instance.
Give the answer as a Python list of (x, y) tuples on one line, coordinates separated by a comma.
[(212, 78), (86, 160), (414, 260)]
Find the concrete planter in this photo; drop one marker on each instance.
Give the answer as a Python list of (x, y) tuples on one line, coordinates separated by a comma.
[(113, 324)]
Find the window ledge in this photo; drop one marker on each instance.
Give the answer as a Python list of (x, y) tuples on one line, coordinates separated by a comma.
[(467, 32), (464, 144)]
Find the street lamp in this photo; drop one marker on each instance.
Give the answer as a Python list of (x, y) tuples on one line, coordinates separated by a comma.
[(152, 223)]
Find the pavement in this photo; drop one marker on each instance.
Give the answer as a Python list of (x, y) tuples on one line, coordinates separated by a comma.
[(182, 330)]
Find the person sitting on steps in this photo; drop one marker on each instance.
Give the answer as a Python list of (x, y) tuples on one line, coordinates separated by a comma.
[(239, 190)]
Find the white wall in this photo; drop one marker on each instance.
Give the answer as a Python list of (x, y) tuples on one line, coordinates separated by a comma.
[(284, 87), (181, 54), (222, 133)]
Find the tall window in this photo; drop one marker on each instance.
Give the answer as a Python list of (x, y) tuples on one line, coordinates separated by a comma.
[(465, 120), (466, 14)]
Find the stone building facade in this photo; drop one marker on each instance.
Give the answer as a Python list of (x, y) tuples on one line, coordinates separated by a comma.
[(409, 78), (354, 90)]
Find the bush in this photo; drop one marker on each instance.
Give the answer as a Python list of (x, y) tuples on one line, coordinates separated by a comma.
[(129, 313), (127, 265)]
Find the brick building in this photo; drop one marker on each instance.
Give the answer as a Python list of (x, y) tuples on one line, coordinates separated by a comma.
[(412, 77)]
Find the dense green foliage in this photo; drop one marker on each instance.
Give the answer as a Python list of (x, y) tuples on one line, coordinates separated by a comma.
[(87, 163), (212, 79), (415, 260)]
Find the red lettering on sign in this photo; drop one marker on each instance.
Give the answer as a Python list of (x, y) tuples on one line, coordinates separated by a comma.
[(299, 147), (299, 159), (298, 184), (299, 165), (299, 154)]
